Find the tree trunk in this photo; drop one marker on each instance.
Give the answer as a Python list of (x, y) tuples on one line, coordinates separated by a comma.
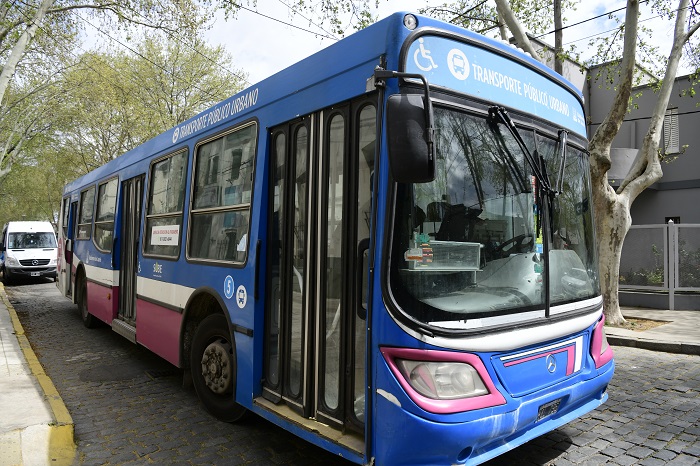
[(9, 67), (613, 221), (558, 42), (505, 12)]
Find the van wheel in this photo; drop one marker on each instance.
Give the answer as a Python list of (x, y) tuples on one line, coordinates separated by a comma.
[(5, 276), (213, 368), (89, 320)]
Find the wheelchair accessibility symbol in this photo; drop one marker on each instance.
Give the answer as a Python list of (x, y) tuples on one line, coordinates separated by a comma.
[(425, 62)]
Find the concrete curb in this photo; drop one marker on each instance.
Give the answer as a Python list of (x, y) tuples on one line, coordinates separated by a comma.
[(654, 345), (61, 432)]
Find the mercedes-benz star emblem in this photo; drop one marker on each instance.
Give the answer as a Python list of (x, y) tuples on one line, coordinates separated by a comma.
[(551, 364), (35, 262)]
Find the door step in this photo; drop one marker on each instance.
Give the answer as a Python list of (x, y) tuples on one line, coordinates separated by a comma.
[(126, 330)]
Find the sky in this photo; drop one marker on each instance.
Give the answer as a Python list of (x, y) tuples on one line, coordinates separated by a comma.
[(262, 46)]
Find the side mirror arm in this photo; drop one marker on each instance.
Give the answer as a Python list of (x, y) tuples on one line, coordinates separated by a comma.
[(380, 75)]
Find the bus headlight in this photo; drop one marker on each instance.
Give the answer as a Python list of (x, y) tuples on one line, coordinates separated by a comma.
[(11, 261), (442, 380)]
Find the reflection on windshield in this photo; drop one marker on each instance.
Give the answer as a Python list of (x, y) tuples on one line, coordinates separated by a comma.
[(471, 243)]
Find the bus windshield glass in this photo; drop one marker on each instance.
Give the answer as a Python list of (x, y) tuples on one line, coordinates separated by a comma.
[(471, 244)]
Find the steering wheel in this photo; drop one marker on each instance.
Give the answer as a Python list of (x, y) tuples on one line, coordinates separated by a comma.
[(518, 245)]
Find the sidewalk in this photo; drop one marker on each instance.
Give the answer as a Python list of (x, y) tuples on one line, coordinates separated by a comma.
[(35, 426), (680, 335)]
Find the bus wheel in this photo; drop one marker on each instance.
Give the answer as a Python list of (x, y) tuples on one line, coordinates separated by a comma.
[(213, 369), (89, 320)]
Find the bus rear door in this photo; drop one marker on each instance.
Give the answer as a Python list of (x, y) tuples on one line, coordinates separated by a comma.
[(131, 198)]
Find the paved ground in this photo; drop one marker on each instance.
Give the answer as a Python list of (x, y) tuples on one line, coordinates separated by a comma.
[(128, 405)]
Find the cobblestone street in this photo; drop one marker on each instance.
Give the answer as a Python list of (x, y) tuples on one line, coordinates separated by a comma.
[(129, 406)]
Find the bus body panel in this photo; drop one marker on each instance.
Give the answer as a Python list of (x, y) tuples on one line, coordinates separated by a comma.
[(158, 329)]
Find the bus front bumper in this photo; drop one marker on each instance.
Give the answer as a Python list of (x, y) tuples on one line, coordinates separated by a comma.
[(408, 439)]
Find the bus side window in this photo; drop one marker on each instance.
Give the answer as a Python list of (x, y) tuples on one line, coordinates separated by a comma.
[(166, 205), (221, 196), (87, 203)]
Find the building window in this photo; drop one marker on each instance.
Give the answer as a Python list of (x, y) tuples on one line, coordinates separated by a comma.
[(671, 137)]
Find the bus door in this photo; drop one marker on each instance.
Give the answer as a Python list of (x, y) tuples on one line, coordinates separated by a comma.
[(131, 198), (65, 259), (319, 228)]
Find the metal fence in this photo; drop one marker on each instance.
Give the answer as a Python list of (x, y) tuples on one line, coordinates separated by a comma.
[(661, 258)]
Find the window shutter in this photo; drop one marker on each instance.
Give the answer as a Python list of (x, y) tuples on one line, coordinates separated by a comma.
[(671, 136)]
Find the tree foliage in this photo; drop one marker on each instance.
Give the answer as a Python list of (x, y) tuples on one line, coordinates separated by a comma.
[(104, 104)]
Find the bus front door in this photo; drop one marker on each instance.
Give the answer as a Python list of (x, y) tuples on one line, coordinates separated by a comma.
[(319, 225), (131, 197)]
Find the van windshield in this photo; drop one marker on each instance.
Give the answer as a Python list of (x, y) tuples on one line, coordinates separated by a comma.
[(31, 240)]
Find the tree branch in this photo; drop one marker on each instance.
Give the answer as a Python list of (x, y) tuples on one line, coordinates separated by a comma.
[(646, 168)]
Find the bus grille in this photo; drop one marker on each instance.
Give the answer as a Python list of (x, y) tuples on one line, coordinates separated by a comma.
[(34, 262)]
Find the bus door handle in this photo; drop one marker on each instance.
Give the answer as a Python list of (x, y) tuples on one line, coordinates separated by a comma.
[(360, 282)]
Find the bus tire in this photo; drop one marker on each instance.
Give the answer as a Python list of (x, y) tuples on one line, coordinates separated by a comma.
[(89, 320), (213, 368)]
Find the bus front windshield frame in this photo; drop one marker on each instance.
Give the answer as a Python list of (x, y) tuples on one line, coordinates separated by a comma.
[(468, 249)]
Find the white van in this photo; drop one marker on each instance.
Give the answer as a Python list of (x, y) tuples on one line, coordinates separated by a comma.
[(28, 249)]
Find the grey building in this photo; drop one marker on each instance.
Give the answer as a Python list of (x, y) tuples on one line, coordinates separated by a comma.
[(676, 196)]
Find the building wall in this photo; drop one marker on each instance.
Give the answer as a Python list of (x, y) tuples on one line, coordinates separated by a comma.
[(678, 192)]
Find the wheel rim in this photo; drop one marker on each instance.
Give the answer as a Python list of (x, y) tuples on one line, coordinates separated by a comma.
[(216, 366)]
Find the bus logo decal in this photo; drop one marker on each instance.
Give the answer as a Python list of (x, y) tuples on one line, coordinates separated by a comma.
[(458, 64), (241, 296), (551, 364), (228, 287)]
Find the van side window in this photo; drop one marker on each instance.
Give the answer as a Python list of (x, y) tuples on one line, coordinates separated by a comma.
[(222, 189), (87, 202), (104, 220)]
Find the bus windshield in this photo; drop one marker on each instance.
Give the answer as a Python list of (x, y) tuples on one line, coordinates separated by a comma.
[(471, 244)]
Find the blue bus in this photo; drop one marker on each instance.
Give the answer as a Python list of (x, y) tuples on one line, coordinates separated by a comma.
[(387, 249)]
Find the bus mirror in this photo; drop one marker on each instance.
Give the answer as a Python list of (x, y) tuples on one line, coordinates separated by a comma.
[(410, 146)]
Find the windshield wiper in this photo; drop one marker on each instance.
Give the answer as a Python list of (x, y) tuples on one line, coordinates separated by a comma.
[(537, 165), (516, 175), (563, 138)]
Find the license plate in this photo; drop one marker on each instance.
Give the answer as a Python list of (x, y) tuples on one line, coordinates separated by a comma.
[(548, 409), (35, 274)]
